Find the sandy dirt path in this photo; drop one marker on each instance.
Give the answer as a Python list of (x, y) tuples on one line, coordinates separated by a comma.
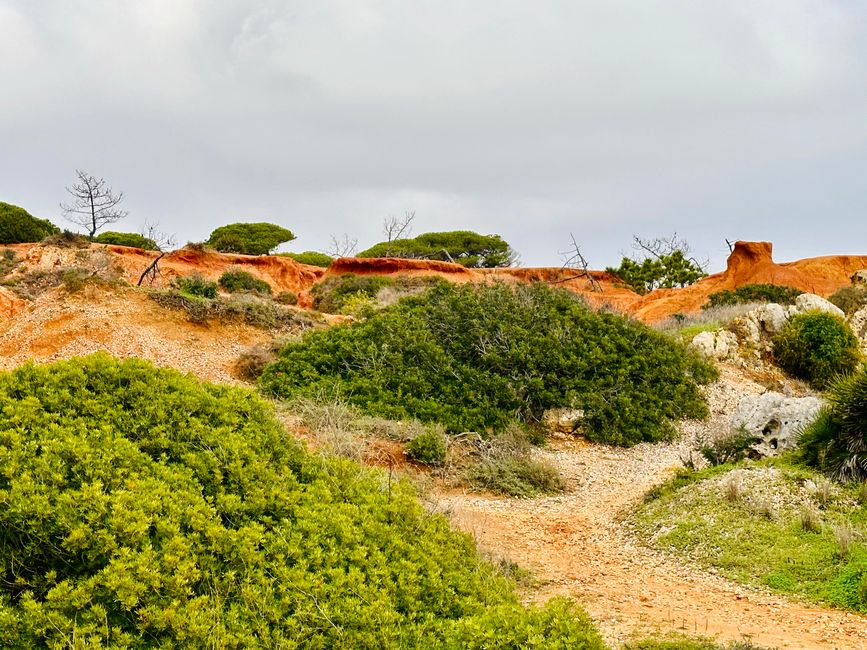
[(576, 545)]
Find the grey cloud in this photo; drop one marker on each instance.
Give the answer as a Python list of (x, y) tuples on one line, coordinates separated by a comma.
[(736, 119)]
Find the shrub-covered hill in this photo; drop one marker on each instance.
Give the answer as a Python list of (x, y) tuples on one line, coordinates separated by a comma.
[(476, 357), (140, 508)]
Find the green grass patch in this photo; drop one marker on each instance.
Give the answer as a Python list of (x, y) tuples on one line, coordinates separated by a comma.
[(766, 524)]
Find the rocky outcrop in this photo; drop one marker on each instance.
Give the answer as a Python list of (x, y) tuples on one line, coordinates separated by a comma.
[(720, 345), (562, 420), (808, 302), (859, 277), (858, 323), (775, 419)]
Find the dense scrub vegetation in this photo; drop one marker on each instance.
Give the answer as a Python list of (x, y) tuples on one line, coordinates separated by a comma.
[(750, 293), (850, 298), (836, 442), (478, 357), (665, 271), (463, 247), (236, 281), (249, 238), (816, 347), (771, 524), (131, 239), (334, 295), (195, 285), (17, 226), (145, 509), (311, 258)]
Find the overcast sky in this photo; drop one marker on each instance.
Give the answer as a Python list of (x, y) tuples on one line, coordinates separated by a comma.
[(718, 119)]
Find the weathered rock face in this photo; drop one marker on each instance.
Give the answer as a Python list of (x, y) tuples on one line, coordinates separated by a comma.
[(719, 345), (562, 420), (810, 302), (859, 277), (858, 323), (776, 419)]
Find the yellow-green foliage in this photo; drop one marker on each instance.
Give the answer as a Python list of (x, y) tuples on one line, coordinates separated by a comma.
[(142, 508), (816, 347)]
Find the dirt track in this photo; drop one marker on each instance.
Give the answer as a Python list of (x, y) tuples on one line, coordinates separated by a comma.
[(576, 545)]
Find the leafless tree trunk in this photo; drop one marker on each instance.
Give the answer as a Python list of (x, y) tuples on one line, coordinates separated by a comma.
[(152, 271), (397, 227), (574, 259), (93, 204)]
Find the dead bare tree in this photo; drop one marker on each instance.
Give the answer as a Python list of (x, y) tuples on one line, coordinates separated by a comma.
[(574, 259), (152, 271), (398, 227), (94, 204), (342, 247), (151, 230)]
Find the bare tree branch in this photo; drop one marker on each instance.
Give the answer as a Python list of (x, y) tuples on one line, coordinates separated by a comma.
[(93, 204), (660, 247), (398, 227), (574, 259), (343, 247), (152, 271), (164, 241)]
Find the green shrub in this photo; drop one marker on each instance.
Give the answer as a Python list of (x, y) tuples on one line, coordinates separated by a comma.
[(311, 258), (816, 347), (463, 247), (330, 294), (748, 293), (17, 226), (836, 442), (428, 448), (249, 238), (728, 448), (195, 285), (131, 239), (476, 357), (689, 644), (286, 298), (243, 282), (142, 508), (67, 239), (850, 298)]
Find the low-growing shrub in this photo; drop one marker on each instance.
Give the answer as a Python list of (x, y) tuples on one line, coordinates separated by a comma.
[(286, 298), (195, 285), (836, 441), (850, 298), (235, 281), (750, 293), (17, 226), (249, 309), (67, 239), (330, 294), (142, 508), (507, 466), (130, 239), (311, 258), (727, 448), (252, 362), (476, 357), (428, 448), (816, 347)]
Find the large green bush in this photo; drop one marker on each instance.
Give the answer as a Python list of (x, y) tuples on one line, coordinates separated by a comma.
[(243, 282), (195, 284), (330, 294), (816, 347), (477, 357), (748, 293), (311, 258), (249, 238), (131, 239), (17, 226), (836, 442), (461, 246), (143, 509)]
